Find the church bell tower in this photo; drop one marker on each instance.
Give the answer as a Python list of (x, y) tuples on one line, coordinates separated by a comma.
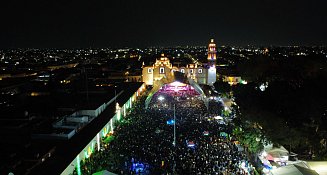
[(211, 63)]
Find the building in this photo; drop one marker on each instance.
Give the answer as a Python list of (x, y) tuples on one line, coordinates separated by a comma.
[(70, 152), (200, 73), (212, 75), (53, 133)]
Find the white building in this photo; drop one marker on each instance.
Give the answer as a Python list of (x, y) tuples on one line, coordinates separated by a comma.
[(200, 74)]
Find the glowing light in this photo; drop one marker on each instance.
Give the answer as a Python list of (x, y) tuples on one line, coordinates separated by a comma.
[(267, 167), (170, 122), (257, 139), (124, 108), (244, 82), (263, 86), (218, 117), (89, 151), (190, 144), (223, 134), (138, 167), (118, 111), (104, 132), (86, 155), (34, 94), (78, 165), (243, 164), (161, 98), (176, 83), (98, 141), (264, 154), (130, 102)]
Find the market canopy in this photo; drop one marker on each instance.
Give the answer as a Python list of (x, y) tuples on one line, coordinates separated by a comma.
[(319, 166), (104, 172), (293, 170), (278, 152)]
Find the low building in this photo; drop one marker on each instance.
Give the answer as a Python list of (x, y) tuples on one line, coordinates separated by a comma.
[(68, 156)]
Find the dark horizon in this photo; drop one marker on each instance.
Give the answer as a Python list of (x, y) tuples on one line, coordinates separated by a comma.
[(101, 24), (163, 47)]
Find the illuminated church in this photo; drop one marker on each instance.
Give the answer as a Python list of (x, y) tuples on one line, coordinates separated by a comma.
[(200, 73)]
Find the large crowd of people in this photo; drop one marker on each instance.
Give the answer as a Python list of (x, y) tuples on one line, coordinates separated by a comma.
[(144, 141)]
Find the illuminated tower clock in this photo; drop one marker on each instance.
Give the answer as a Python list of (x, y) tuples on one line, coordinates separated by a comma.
[(211, 63)]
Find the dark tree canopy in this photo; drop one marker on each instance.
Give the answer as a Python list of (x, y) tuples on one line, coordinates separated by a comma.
[(292, 109)]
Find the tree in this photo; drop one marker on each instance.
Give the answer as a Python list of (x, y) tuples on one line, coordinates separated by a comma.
[(249, 137), (222, 87)]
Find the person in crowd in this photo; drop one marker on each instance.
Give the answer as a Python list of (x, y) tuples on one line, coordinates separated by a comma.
[(145, 138)]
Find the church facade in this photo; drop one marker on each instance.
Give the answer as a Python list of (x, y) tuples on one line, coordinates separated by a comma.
[(200, 73)]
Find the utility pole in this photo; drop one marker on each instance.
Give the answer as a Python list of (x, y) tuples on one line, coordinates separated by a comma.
[(115, 95), (174, 143)]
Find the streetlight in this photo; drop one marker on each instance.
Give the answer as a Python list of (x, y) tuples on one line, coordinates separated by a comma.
[(115, 87), (161, 98)]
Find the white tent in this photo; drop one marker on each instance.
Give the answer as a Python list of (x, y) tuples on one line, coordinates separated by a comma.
[(293, 170), (218, 117), (278, 154), (319, 166)]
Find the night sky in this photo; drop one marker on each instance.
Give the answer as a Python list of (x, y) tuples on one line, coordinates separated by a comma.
[(138, 23)]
